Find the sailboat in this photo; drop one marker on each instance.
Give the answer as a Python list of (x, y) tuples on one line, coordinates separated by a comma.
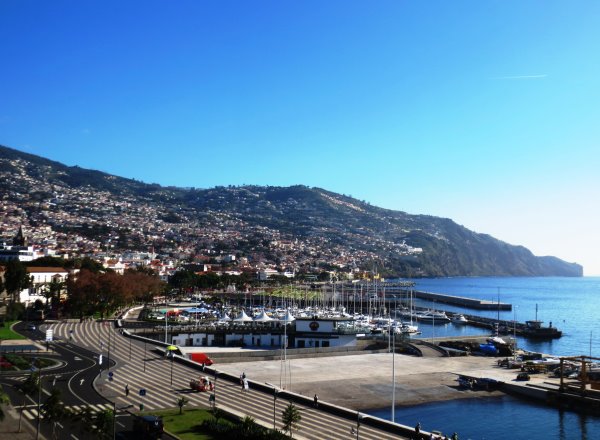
[(409, 328)]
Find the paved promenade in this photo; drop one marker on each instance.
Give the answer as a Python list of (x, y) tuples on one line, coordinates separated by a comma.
[(166, 381)]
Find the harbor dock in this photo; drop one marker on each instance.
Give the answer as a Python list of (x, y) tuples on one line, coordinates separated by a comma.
[(472, 303)]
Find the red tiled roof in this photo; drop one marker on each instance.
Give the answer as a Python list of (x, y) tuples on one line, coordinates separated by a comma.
[(46, 269)]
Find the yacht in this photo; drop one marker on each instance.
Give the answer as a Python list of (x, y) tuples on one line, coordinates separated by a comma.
[(433, 316), (459, 318)]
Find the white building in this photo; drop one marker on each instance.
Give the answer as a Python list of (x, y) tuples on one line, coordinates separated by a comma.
[(40, 278)]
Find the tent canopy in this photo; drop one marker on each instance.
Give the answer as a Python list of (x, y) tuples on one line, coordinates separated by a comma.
[(262, 317), (242, 317), (288, 317)]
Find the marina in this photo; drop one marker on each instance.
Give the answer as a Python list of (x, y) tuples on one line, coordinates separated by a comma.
[(384, 309)]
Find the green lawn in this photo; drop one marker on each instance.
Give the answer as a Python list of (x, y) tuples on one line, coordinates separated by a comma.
[(7, 333), (185, 425)]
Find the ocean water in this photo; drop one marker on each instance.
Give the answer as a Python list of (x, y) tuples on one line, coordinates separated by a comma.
[(497, 418), (572, 304)]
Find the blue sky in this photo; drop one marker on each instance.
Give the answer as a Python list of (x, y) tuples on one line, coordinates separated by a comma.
[(485, 112)]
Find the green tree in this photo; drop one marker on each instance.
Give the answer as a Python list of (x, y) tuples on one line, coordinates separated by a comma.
[(4, 400), (181, 402), (183, 279), (291, 418), (16, 278), (29, 387), (53, 409), (249, 428), (103, 424), (47, 261), (86, 419)]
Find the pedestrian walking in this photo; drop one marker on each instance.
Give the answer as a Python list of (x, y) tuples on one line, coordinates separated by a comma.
[(316, 400), (126, 390)]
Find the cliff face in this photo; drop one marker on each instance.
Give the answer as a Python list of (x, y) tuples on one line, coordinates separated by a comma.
[(301, 227)]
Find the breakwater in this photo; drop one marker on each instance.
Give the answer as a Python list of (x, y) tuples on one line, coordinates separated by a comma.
[(462, 301)]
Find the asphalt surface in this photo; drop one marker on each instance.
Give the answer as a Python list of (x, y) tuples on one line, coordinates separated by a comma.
[(141, 367)]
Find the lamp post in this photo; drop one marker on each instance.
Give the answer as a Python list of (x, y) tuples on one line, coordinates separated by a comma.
[(394, 372), (166, 319), (215, 391), (515, 333), (39, 402), (358, 419), (172, 356), (108, 350), (274, 401)]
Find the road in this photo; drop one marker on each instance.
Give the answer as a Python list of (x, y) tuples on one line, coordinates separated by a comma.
[(140, 367), (74, 376)]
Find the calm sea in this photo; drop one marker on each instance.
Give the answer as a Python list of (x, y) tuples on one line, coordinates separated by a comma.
[(571, 304), (498, 418)]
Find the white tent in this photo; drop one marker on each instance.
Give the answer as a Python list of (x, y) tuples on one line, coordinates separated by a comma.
[(242, 317), (224, 317), (262, 317), (288, 317)]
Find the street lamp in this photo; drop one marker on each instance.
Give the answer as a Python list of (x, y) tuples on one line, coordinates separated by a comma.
[(274, 401), (39, 402), (394, 372), (215, 390), (358, 419), (515, 334), (108, 350), (172, 355), (171, 351)]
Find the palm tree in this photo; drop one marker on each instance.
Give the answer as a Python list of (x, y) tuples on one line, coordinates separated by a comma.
[(248, 427), (181, 402), (104, 422), (53, 409), (3, 400), (291, 418), (28, 388)]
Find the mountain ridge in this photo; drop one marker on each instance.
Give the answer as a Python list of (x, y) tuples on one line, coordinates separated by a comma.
[(297, 227)]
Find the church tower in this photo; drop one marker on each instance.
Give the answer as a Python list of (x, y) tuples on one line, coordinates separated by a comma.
[(20, 239)]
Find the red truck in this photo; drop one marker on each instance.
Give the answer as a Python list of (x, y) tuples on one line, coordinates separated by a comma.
[(201, 358)]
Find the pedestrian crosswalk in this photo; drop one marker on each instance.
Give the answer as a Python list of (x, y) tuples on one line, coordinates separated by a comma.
[(30, 412)]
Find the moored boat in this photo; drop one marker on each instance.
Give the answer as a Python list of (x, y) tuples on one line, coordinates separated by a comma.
[(433, 317), (459, 319)]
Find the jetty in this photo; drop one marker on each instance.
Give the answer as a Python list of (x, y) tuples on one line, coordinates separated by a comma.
[(552, 384), (404, 288), (462, 301)]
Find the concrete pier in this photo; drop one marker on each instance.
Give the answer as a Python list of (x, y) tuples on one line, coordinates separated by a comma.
[(462, 301)]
